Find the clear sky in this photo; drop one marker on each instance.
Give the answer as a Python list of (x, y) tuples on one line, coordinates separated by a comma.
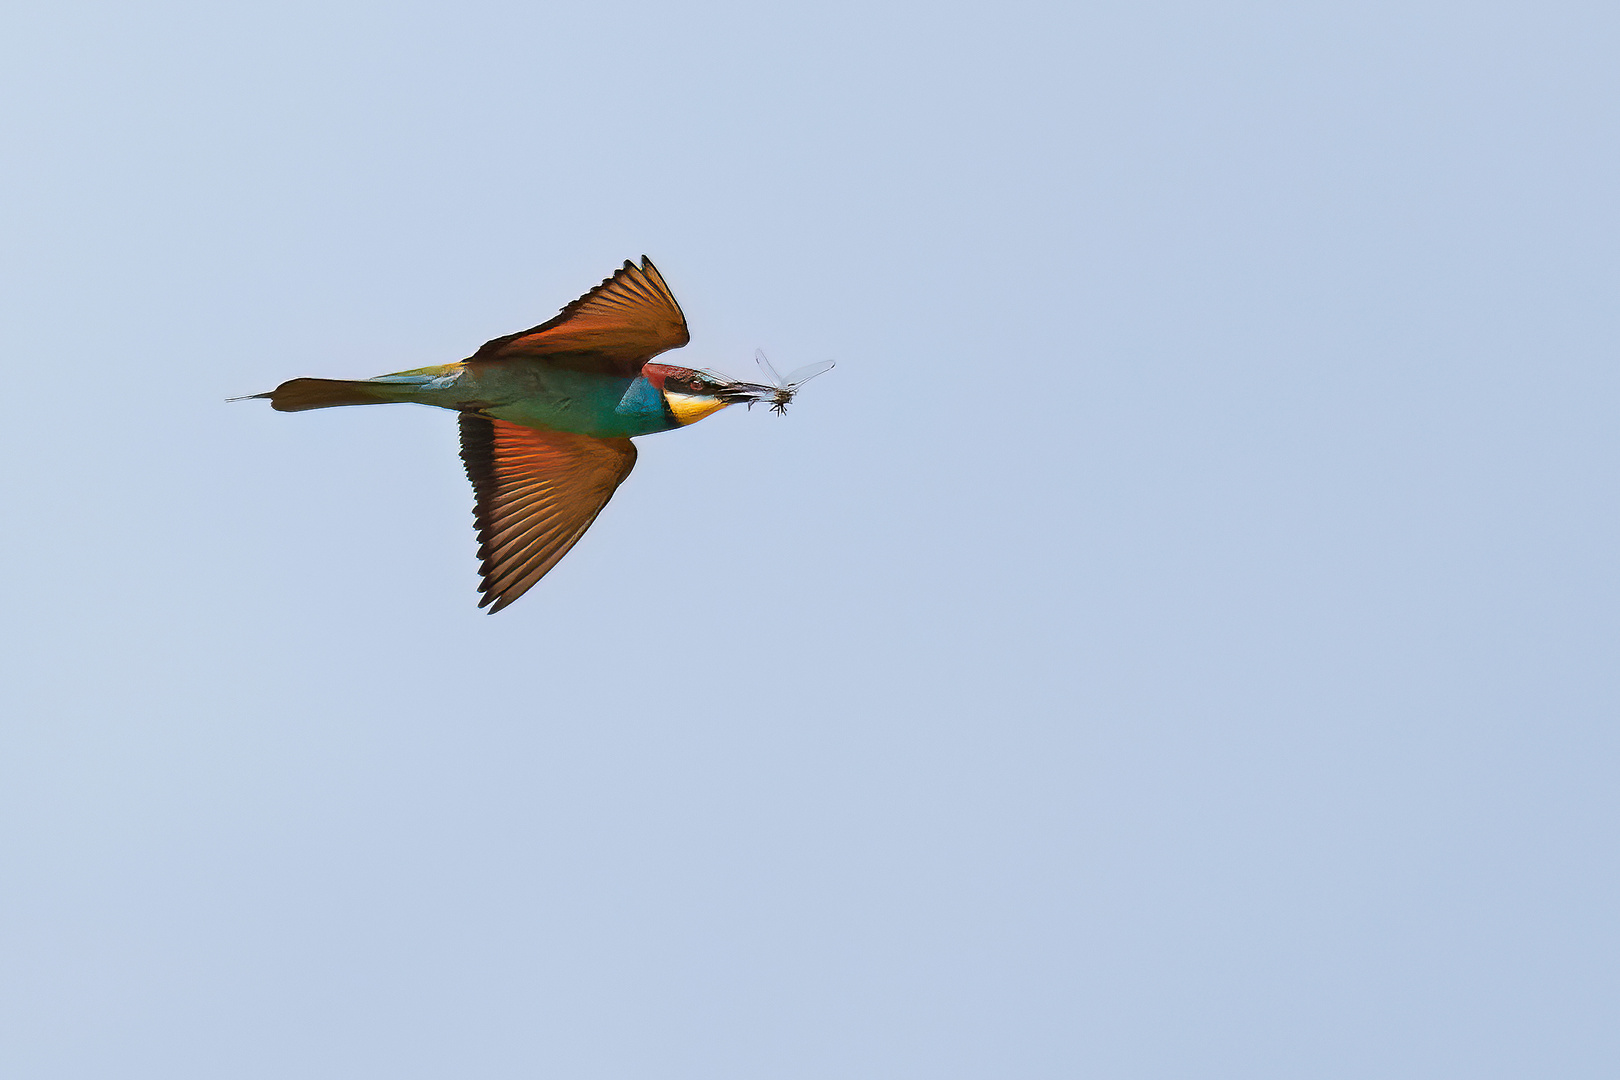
[(1179, 640)]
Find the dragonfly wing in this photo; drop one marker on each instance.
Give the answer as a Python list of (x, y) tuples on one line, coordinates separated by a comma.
[(806, 373), (765, 366)]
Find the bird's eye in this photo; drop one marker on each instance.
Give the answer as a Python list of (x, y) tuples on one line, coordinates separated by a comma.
[(696, 385)]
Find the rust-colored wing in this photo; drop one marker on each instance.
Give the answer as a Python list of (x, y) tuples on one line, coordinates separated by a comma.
[(537, 492), (615, 328)]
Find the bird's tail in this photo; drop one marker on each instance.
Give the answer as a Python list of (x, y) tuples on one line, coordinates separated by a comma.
[(296, 395), (430, 385)]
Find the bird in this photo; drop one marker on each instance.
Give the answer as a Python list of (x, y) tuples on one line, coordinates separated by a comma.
[(547, 415)]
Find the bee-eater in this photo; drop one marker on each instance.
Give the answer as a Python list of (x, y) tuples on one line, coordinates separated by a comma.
[(547, 415)]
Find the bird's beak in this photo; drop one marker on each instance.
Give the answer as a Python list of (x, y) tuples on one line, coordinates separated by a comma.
[(737, 393)]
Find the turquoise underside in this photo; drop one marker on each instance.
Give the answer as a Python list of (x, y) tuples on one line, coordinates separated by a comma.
[(600, 405)]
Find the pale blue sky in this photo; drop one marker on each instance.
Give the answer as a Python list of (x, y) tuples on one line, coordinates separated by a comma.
[(1177, 641)]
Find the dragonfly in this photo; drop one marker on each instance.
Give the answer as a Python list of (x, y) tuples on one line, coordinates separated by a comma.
[(782, 390)]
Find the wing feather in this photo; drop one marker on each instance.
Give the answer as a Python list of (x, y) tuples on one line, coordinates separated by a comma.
[(537, 492), (616, 327)]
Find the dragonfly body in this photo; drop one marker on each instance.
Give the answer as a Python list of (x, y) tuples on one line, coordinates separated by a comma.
[(547, 415)]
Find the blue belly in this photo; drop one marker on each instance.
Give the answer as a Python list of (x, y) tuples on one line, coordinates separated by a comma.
[(605, 406)]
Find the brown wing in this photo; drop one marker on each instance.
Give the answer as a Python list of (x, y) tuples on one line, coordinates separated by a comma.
[(537, 492), (616, 327)]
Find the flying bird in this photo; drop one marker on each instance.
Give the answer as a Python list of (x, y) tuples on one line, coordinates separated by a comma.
[(547, 415)]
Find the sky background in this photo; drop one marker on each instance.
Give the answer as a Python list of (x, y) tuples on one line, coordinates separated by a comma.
[(1178, 640)]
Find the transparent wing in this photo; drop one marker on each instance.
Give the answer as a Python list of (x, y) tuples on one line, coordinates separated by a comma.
[(806, 373), (765, 366)]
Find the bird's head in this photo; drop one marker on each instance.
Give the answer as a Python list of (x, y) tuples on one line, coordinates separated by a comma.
[(691, 395)]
